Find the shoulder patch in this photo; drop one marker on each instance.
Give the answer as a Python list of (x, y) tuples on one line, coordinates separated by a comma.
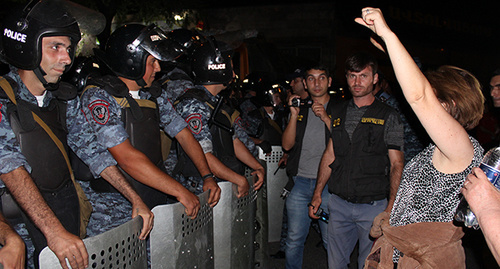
[(100, 111), (194, 123)]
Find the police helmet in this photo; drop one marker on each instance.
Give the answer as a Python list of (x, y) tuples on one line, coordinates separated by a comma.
[(186, 38), (211, 63), (265, 94), (129, 46), (24, 30)]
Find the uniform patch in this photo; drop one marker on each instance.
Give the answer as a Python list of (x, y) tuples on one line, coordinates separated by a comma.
[(100, 111), (194, 123)]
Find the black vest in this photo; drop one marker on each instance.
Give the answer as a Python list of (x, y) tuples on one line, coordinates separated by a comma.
[(142, 123), (360, 172), (269, 130), (292, 166), (49, 168), (221, 129)]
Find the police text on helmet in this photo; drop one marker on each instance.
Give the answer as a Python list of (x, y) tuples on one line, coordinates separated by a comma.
[(15, 35), (216, 66)]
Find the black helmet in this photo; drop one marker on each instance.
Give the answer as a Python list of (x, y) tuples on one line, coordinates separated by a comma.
[(186, 38), (266, 92), (211, 63), (83, 69), (129, 46), (24, 30)]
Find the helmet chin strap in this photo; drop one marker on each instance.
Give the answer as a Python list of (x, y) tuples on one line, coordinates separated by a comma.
[(141, 82), (40, 75)]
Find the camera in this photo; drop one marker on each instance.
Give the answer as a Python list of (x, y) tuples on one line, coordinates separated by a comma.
[(297, 102)]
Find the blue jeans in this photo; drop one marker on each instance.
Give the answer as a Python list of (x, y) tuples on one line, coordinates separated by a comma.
[(299, 220), (349, 223)]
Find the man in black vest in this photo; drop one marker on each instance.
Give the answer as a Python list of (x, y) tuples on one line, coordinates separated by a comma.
[(362, 164), (305, 138)]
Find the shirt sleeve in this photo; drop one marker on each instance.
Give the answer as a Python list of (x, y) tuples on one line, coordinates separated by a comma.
[(83, 141), (103, 114), (10, 151), (196, 114), (170, 121)]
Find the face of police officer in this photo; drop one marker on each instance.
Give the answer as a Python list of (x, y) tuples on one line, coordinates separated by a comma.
[(317, 82), (55, 56), (361, 83), (495, 90), (152, 67)]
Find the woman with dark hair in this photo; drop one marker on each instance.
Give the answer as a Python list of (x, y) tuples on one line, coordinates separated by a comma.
[(448, 102)]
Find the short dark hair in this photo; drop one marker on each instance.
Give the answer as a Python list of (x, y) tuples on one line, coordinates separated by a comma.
[(359, 61), (317, 67), (496, 73)]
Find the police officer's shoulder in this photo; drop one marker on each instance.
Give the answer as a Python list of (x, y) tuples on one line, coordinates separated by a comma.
[(65, 91), (12, 83)]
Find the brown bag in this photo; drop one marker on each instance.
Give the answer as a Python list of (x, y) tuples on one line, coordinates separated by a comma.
[(85, 206)]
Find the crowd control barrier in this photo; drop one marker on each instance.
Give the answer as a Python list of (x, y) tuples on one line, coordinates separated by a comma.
[(117, 248), (177, 241), (234, 228), (276, 180)]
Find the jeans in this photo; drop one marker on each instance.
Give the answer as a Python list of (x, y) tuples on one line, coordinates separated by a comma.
[(349, 223), (299, 220)]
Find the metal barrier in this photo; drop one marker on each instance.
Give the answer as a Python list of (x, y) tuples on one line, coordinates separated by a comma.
[(276, 180), (234, 228), (177, 241), (117, 248)]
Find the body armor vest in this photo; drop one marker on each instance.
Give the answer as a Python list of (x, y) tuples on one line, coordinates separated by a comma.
[(49, 168), (360, 172), (221, 129), (142, 123), (270, 130)]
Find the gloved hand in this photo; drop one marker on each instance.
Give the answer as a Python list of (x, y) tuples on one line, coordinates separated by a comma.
[(265, 146)]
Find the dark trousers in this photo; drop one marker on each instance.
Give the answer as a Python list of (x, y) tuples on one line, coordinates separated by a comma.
[(64, 204)]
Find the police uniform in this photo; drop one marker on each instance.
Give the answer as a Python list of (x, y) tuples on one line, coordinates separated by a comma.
[(197, 115), (80, 138), (175, 83), (106, 116)]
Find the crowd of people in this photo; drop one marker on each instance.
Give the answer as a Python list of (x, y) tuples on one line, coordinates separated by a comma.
[(163, 120)]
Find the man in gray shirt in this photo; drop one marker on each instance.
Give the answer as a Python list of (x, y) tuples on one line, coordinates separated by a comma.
[(305, 139)]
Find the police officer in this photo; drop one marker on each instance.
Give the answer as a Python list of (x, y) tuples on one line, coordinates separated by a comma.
[(38, 43), (177, 78), (126, 110), (213, 124)]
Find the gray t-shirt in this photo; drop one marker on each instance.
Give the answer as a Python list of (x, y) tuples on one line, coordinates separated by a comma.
[(313, 146)]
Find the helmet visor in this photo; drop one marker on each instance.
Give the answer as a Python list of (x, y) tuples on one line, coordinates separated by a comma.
[(155, 41)]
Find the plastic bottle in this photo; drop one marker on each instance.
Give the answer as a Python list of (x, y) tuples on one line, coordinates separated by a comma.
[(491, 167)]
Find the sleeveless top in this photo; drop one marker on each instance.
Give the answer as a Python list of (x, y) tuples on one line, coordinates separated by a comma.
[(427, 195)]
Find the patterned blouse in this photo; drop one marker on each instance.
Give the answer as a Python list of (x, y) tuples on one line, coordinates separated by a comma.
[(427, 195)]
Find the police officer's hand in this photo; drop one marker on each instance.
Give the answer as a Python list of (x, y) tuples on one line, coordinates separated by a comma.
[(314, 205), (319, 111), (242, 186), (266, 147), (210, 184), (260, 173), (13, 253), (190, 202), (68, 246), (141, 209)]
